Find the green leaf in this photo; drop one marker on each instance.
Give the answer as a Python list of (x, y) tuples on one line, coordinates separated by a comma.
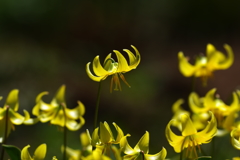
[(13, 152), (204, 158)]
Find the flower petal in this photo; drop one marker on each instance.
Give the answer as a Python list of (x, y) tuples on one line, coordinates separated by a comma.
[(122, 62), (143, 144), (125, 147), (98, 68), (25, 154), (59, 98), (12, 100), (185, 67), (120, 133), (93, 77), (40, 152), (134, 60), (174, 140), (187, 125), (15, 117), (159, 156), (105, 133)]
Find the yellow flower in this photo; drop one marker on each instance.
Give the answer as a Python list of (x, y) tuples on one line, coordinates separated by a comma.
[(190, 138), (140, 151), (39, 153), (9, 112), (111, 67), (205, 65), (213, 103), (105, 139), (57, 112)]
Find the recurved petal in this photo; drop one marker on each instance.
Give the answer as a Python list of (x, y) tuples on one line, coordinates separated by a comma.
[(120, 133), (98, 68), (105, 134), (25, 154), (134, 60), (122, 62), (143, 143), (174, 140), (220, 61), (76, 112), (125, 147), (235, 103), (187, 125), (196, 104), (209, 131), (28, 120), (93, 77), (177, 105), (159, 156), (73, 125), (208, 101), (184, 66), (15, 117), (12, 100), (40, 152)]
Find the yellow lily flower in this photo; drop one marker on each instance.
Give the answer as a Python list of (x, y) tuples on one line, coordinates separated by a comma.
[(212, 103), (190, 138), (140, 151), (205, 65), (9, 112), (57, 112), (105, 139), (39, 153), (111, 67), (235, 137)]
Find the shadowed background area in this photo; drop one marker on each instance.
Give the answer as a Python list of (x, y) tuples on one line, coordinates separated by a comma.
[(44, 44)]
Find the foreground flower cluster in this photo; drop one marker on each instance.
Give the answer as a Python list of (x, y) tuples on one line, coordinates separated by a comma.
[(207, 117)]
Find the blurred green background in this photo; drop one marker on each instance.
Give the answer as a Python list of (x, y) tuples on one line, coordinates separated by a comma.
[(44, 44)]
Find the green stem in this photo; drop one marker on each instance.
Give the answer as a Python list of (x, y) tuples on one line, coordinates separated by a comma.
[(97, 105), (5, 132), (64, 134)]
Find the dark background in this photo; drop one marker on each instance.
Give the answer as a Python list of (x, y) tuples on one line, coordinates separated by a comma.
[(44, 44)]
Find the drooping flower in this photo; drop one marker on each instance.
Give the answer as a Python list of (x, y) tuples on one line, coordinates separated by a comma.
[(103, 139), (205, 65), (39, 153), (114, 68), (190, 138), (213, 103), (140, 151), (9, 112), (57, 112)]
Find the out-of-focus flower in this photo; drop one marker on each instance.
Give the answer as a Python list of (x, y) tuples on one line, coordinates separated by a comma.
[(39, 153), (111, 67), (235, 137), (177, 112), (9, 112), (190, 138), (57, 112), (140, 151), (105, 138), (205, 65), (211, 102), (86, 148)]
